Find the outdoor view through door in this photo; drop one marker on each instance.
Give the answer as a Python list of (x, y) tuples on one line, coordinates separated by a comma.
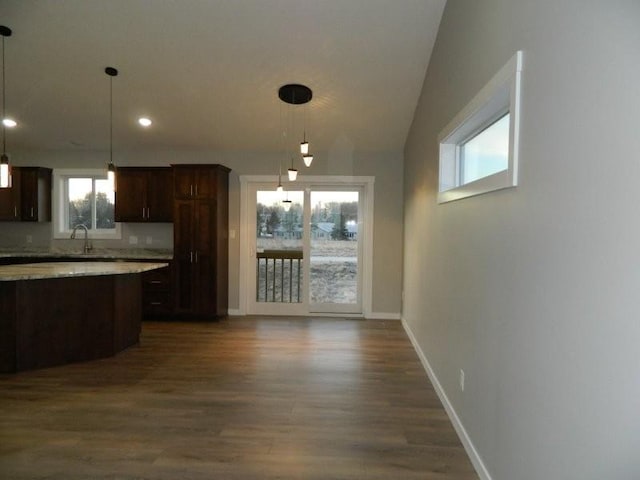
[(307, 254)]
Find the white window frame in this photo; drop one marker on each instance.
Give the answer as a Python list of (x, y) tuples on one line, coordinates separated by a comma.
[(60, 212), (501, 95)]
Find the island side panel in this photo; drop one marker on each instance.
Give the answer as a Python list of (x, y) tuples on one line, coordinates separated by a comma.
[(64, 320), (7, 327), (127, 304)]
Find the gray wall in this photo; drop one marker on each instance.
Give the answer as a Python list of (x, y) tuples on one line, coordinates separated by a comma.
[(534, 291), (341, 160)]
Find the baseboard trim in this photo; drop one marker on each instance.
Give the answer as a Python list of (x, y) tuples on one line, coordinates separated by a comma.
[(472, 453), (235, 312), (383, 316)]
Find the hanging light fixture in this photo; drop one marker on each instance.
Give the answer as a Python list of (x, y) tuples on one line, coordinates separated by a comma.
[(304, 146), (286, 203), (279, 187), (111, 168), (4, 159), (292, 172), (295, 94)]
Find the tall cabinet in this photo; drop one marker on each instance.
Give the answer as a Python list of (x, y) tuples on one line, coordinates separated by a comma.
[(201, 239)]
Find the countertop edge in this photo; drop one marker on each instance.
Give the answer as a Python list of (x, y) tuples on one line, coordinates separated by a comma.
[(50, 270)]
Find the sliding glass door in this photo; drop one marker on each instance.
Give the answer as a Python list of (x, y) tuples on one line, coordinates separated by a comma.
[(305, 250)]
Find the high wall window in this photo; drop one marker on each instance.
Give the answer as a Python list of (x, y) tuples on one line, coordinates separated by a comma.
[(84, 197), (479, 147)]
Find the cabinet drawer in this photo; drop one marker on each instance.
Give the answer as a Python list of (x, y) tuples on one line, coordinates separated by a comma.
[(156, 302), (159, 279)]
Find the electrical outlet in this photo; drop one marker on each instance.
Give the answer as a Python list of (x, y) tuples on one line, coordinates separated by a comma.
[(461, 380), (232, 234), (149, 240), (29, 238), (133, 240)]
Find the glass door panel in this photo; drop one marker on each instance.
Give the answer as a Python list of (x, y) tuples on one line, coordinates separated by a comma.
[(334, 271), (279, 245)]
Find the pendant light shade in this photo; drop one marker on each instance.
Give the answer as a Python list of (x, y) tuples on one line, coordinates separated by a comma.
[(4, 159), (4, 171), (304, 147), (292, 172), (286, 204), (111, 168), (308, 158)]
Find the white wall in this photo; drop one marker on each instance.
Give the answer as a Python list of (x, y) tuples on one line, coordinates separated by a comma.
[(341, 160), (534, 291)]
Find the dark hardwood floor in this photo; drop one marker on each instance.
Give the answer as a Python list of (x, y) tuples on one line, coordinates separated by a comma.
[(255, 398)]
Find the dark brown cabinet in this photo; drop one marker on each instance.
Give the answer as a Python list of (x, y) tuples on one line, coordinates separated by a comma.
[(201, 211), (29, 198), (10, 199), (156, 292), (144, 194)]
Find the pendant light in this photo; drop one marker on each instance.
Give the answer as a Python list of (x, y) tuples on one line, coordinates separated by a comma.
[(292, 172), (279, 187), (286, 203), (4, 159), (111, 168), (296, 94), (304, 146)]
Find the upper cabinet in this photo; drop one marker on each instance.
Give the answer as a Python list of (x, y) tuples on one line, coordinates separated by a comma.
[(195, 181), (29, 198), (144, 194)]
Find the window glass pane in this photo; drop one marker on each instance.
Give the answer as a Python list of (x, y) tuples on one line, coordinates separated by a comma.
[(80, 193), (486, 153), (105, 204)]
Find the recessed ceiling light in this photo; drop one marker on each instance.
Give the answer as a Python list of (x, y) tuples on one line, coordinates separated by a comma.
[(8, 122), (144, 121)]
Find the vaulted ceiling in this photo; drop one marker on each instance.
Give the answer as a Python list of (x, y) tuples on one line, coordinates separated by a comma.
[(207, 71)]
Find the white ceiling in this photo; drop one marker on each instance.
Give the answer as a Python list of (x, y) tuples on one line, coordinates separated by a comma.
[(208, 71)]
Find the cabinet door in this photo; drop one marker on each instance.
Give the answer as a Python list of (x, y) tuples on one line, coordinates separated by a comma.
[(204, 181), (10, 209), (183, 255), (29, 194), (131, 186), (159, 195), (204, 257), (182, 182)]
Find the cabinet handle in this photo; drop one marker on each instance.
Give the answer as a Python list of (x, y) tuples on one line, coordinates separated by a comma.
[(191, 190), (196, 189), (143, 213), (156, 303), (191, 256), (148, 213), (196, 256), (31, 212), (155, 282)]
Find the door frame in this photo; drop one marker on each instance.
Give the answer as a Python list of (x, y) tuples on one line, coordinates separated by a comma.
[(247, 261)]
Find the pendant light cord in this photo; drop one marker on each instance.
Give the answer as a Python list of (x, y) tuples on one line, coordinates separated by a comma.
[(4, 127), (110, 120)]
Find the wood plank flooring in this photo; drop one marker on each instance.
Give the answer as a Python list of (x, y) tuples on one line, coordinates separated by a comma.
[(250, 398)]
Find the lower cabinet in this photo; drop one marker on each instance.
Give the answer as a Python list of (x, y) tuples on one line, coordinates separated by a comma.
[(157, 297)]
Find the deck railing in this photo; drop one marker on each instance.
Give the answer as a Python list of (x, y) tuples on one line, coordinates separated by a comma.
[(279, 276)]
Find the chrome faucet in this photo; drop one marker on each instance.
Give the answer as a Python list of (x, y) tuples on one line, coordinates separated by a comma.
[(87, 246)]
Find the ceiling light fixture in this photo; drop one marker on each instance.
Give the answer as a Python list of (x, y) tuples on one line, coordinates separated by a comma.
[(111, 168), (296, 94), (292, 172), (4, 159), (279, 187), (145, 121)]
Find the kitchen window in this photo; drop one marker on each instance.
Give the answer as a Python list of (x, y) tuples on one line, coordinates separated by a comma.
[(479, 147), (84, 197)]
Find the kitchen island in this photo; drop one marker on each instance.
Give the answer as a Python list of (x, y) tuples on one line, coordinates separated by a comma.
[(65, 312)]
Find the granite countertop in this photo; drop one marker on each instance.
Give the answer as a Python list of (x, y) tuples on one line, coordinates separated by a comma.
[(105, 253), (35, 271)]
